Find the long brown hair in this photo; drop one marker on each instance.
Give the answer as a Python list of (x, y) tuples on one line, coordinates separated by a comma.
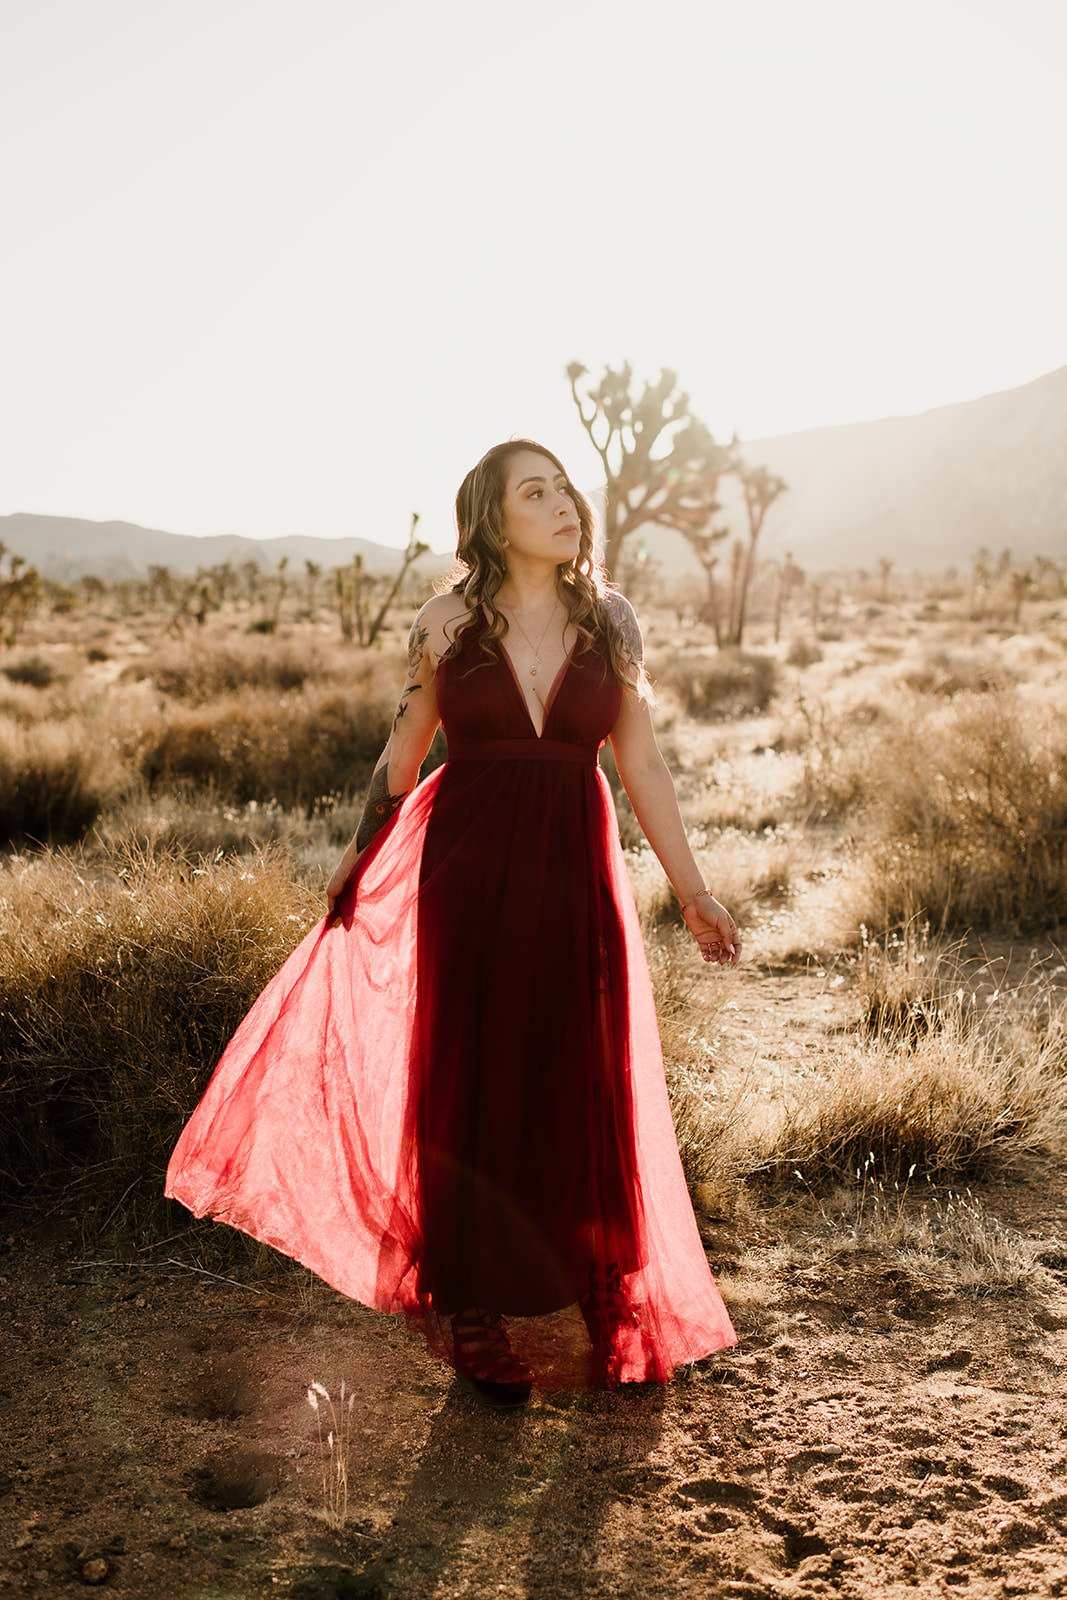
[(481, 566)]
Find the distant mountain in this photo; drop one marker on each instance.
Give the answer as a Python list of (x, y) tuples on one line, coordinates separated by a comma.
[(71, 547), (926, 491)]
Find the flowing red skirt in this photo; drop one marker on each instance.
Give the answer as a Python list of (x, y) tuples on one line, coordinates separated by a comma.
[(454, 1094)]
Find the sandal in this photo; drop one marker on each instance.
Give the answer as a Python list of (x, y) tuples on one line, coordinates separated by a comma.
[(486, 1360), (606, 1310)]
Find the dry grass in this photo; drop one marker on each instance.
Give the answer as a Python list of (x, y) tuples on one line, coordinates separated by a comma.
[(947, 1238), (55, 781), (715, 683), (958, 1100), (950, 672), (119, 989), (967, 812), (908, 981), (203, 670), (36, 671), (291, 749)]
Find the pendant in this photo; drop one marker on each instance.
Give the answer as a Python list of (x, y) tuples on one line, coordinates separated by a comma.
[(533, 672)]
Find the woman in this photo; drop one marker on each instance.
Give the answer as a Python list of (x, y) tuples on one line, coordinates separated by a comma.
[(450, 1101)]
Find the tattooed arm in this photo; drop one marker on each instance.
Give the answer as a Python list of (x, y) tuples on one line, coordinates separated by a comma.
[(397, 771), (624, 617)]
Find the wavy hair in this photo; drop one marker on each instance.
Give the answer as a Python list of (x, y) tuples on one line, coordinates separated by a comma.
[(581, 583)]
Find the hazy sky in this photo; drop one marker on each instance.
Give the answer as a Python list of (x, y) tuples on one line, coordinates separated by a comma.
[(291, 266)]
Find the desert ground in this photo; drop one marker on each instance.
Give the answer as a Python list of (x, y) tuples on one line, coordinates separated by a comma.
[(870, 1111)]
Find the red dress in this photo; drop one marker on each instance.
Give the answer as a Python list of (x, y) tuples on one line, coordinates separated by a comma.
[(454, 1095)]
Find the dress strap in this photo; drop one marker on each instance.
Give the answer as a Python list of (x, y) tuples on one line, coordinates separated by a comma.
[(460, 749)]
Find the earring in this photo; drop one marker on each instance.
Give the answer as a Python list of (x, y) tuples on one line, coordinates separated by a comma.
[(505, 542)]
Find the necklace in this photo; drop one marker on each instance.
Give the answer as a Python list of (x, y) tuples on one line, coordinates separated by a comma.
[(540, 642)]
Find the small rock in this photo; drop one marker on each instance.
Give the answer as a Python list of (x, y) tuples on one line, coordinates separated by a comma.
[(951, 1360), (95, 1570), (178, 1541)]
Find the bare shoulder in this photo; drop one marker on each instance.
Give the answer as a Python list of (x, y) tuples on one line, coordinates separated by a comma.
[(435, 624), (624, 617)]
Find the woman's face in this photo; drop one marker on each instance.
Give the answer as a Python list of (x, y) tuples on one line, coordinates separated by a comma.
[(539, 517)]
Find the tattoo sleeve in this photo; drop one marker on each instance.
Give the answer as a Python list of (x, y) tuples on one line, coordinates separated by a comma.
[(378, 807), (630, 632), (380, 804)]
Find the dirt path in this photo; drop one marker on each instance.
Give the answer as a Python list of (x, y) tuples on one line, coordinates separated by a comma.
[(868, 1437)]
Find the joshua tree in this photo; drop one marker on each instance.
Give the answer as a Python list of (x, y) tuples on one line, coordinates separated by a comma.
[(790, 577), (885, 567), (314, 573), (761, 489), (352, 585), (661, 464), (1022, 582), (981, 576), (20, 591), (160, 584)]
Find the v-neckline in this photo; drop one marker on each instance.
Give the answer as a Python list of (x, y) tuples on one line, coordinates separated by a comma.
[(550, 698)]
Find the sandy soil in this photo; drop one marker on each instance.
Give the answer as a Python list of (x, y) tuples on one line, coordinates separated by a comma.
[(868, 1437)]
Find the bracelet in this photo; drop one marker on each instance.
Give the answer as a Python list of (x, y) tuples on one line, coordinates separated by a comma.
[(695, 897)]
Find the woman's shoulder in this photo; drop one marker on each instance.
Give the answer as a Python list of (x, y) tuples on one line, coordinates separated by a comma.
[(624, 617), (439, 619)]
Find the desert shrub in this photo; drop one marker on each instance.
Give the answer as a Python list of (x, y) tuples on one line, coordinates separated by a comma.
[(968, 817), (202, 671), (803, 652), (290, 749), (37, 672), (55, 780), (118, 991), (724, 683), (195, 825), (835, 750), (947, 1239), (947, 673), (97, 652), (957, 1100), (908, 981)]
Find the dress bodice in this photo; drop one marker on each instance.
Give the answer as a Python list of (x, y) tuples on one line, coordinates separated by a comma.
[(481, 702)]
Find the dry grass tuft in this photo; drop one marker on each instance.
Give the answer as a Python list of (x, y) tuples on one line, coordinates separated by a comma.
[(941, 1240), (290, 749), (968, 817), (952, 672), (119, 988), (204, 670), (959, 1099), (908, 980), (723, 683), (35, 671), (55, 781)]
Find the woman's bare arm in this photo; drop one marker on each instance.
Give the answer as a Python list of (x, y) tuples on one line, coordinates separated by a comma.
[(396, 772), (648, 783)]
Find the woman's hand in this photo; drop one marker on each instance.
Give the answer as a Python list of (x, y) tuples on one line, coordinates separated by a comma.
[(714, 930), (335, 888)]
